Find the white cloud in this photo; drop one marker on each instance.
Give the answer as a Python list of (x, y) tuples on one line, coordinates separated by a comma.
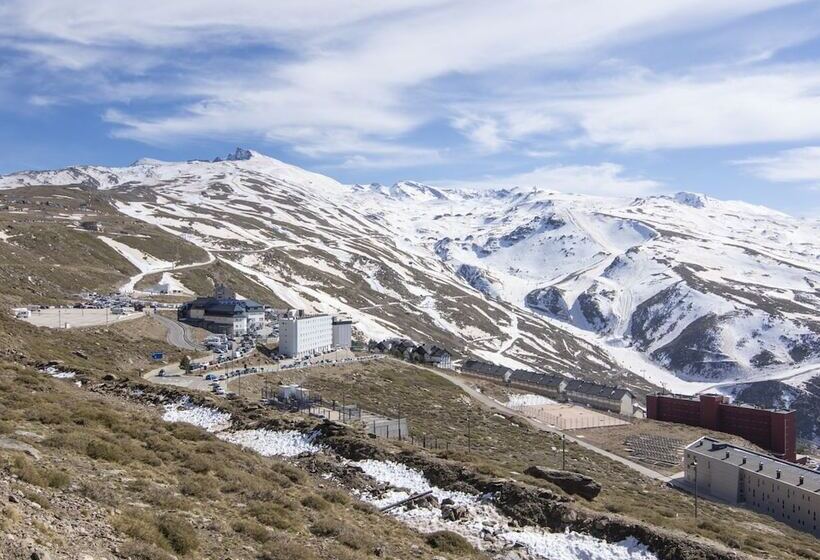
[(605, 179), (350, 79), (798, 165)]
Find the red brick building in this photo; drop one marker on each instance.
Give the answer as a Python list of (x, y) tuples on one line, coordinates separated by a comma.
[(773, 430)]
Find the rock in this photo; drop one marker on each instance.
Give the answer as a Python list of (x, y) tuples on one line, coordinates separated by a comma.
[(13, 499), (569, 482), (454, 513), (109, 377), (81, 354), (40, 555)]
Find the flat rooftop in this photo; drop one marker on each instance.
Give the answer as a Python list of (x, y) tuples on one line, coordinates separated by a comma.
[(790, 473)]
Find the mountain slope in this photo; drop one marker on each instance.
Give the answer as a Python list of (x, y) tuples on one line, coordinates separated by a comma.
[(602, 288), (305, 241)]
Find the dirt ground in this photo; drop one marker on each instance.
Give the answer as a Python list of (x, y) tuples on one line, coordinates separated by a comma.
[(571, 417)]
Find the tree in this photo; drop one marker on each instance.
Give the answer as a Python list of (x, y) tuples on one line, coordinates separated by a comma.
[(185, 364)]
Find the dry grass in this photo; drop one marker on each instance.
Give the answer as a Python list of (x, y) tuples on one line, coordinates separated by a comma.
[(174, 489)]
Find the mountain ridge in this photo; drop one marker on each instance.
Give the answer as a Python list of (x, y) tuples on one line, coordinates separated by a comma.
[(626, 277)]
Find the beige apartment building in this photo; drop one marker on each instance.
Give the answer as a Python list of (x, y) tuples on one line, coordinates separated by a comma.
[(785, 491)]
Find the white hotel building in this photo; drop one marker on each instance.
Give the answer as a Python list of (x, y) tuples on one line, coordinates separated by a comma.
[(300, 334)]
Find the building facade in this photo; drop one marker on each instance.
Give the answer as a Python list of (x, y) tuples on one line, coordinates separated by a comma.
[(300, 335), (230, 316), (785, 491), (342, 332), (602, 397), (773, 430)]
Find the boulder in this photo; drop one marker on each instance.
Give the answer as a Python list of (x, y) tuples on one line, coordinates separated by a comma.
[(568, 481)]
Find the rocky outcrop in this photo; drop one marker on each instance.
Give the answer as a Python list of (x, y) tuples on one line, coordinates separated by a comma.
[(570, 482), (549, 301), (478, 279)]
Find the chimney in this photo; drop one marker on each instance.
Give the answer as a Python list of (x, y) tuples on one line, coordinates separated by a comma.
[(727, 455), (760, 466), (777, 474), (800, 483), (743, 461)]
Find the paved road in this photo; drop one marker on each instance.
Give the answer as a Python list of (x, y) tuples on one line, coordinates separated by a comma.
[(179, 335), (494, 405)]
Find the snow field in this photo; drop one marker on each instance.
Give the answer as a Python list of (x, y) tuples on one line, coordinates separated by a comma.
[(210, 419), (269, 443)]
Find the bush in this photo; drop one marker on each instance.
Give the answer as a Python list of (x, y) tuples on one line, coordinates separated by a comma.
[(179, 533), (252, 529), (327, 527), (287, 550), (315, 502), (144, 551), (449, 542), (272, 515), (336, 496)]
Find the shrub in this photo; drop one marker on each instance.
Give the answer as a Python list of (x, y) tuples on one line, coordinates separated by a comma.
[(179, 533), (315, 502), (144, 551), (287, 550), (272, 515), (449, 542), (336, 496), (252, 529), (327, 527)]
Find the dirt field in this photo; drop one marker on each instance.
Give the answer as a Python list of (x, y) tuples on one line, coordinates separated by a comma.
[(77, 318), (571, 417)]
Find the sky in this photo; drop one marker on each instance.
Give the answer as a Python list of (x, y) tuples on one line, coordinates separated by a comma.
[(606, 97)]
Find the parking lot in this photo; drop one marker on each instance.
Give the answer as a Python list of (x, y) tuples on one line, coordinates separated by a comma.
[(56, 318)]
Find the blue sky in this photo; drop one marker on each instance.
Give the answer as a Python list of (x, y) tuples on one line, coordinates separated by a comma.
[(603, 97)]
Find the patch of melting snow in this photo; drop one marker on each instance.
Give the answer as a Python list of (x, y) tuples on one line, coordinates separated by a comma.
[(58, 373), (268, 443), (517, 401), (402, 477), (209, 418), (483, 525)]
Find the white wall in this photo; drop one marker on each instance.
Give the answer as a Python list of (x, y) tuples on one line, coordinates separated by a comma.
[(304, 335)]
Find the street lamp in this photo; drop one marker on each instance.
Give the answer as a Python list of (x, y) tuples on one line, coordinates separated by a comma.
[(694, 465)]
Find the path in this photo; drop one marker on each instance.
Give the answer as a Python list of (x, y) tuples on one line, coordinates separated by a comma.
[(130, 286), (494, 405)]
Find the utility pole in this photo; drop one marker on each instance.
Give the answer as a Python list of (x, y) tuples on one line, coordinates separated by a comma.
[(469, 437), (563, 453)]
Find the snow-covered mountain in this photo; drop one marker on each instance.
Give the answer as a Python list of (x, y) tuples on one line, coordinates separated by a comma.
[(598, 287)]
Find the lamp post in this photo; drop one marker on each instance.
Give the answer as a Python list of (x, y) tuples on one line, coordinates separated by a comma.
[(694, 465)]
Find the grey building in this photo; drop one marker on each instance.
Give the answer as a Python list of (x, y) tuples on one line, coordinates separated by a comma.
[(550, 385), (485, 369), (785, 491), (601, 397), (342, 334)]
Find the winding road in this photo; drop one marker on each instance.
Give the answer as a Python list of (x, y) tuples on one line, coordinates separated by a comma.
[(179, 335)]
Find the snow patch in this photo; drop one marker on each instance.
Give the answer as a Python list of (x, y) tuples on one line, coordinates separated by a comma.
[(268, 443), (518, 401), (210, 419)]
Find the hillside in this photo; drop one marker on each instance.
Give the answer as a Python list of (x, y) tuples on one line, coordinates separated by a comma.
[(681, 291)]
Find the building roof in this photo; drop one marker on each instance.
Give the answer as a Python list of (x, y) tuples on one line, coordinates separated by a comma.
[(596, 390), (790, 473), (225, 307), (550, 380), (485, 368)]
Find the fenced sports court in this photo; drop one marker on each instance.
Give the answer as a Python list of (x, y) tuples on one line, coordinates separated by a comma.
[(567, 416)]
